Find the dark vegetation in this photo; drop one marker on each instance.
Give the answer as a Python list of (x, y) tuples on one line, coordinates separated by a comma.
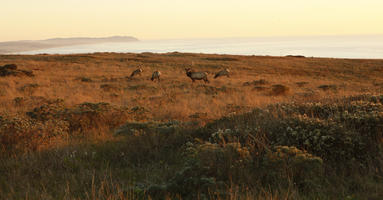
[(328, 150), (11, 70)]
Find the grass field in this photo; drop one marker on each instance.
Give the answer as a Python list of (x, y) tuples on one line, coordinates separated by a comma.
[(277, 128)]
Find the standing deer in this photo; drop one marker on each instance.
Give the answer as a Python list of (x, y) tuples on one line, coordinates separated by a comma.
[(196, 75)]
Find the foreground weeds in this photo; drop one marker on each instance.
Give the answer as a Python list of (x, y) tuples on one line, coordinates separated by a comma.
[(323, 150)]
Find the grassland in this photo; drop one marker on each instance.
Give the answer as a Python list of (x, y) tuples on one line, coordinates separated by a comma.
[(278, 128)]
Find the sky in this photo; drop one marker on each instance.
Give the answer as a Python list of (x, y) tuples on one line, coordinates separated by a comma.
[(177, 19)]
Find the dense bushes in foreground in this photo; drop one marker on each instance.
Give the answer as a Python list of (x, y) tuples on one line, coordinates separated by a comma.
[(311, 148), (339, 133), (328, 150)]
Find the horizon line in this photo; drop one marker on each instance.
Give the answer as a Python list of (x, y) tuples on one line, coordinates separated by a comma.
[(196, 38)]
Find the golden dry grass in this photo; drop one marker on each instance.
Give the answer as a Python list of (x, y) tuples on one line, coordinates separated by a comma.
[(255, 81), (102, 77)]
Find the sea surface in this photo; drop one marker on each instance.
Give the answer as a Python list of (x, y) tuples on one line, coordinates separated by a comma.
[(370, 46)]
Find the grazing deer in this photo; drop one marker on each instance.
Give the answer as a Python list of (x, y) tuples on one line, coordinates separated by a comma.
[(225, 72), (156, 75), (136, 72)]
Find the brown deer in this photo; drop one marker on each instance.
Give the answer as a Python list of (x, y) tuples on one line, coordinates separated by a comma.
[(196, 75)]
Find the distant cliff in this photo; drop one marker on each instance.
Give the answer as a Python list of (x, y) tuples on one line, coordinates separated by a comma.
[(30, 45)]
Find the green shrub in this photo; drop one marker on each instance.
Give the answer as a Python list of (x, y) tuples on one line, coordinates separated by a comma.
[(19, 134), (289, 165), (82, 118), (53, 119), (345, 134), (208, 167)]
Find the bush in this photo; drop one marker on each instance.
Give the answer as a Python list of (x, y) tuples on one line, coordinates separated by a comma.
[(346, 134), (256, 82), (289, 165), (208, 168), (53, 119), (279, 90), (19, 134), (328, 87), (82, 118)]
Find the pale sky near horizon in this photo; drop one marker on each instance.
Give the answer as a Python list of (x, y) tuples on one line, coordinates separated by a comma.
[(165, 19)]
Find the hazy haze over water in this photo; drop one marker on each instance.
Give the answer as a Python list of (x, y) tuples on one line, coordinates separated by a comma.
[(321, 46)]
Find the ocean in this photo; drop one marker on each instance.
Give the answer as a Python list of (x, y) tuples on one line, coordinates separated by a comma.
[(370, 46)]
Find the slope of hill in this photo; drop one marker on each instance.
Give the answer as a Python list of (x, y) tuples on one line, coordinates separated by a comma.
[(29, 45)]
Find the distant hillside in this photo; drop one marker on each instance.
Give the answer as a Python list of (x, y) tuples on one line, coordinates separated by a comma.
[(29, 45)]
